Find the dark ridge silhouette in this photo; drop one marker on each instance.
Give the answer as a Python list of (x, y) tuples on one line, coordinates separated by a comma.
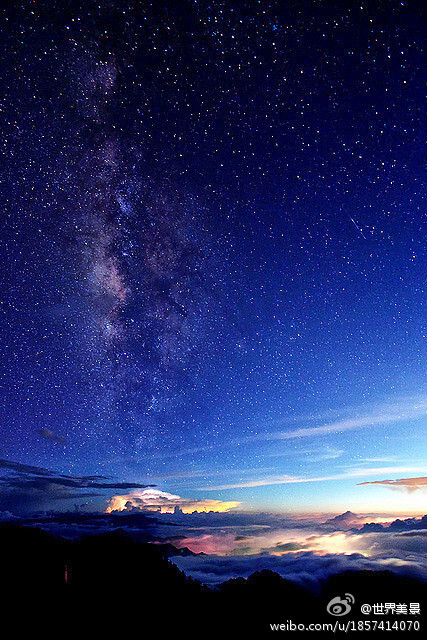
[(133, 520), (169, 551), (409, 524), (122, 585), (376, 586), (343, 517)]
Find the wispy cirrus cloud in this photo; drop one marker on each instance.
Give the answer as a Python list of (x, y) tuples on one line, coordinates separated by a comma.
[(288, 479), (313, 454), (382, 415), (405, 484), (403, 409)]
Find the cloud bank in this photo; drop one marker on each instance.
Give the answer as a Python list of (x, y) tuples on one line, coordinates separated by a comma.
[(305, 567), (164, 502), (25, 487), (307, 554)]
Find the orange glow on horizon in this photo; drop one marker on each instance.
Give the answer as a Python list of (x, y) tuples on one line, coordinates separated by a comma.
[(158, 501)]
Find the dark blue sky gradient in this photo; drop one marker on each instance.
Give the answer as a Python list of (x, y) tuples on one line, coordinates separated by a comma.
[(212, 236)]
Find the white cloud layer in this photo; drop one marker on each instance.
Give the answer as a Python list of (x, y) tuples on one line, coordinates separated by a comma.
[(164, 502)]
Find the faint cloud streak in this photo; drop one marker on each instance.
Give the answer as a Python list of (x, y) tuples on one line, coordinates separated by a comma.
[(287, 479), (405, 484)]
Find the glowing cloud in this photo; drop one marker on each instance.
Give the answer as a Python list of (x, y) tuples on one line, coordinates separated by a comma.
[(406, 484), (164, 502)]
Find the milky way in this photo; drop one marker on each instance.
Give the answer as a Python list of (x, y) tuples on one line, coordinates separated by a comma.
[(144, 261), (213, 246)]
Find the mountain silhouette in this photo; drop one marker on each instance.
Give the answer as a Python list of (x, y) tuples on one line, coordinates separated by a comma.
[(108, 582), (343, 521)]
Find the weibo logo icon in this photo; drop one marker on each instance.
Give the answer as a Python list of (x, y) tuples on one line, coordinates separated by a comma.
[(340, 606)]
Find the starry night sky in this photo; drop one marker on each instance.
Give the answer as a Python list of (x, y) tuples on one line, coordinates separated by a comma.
[(213, 253)]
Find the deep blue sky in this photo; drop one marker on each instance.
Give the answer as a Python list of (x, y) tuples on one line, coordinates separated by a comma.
[(213, 253)]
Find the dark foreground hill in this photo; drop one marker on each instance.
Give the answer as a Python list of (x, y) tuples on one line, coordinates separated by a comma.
[(109, 584)]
